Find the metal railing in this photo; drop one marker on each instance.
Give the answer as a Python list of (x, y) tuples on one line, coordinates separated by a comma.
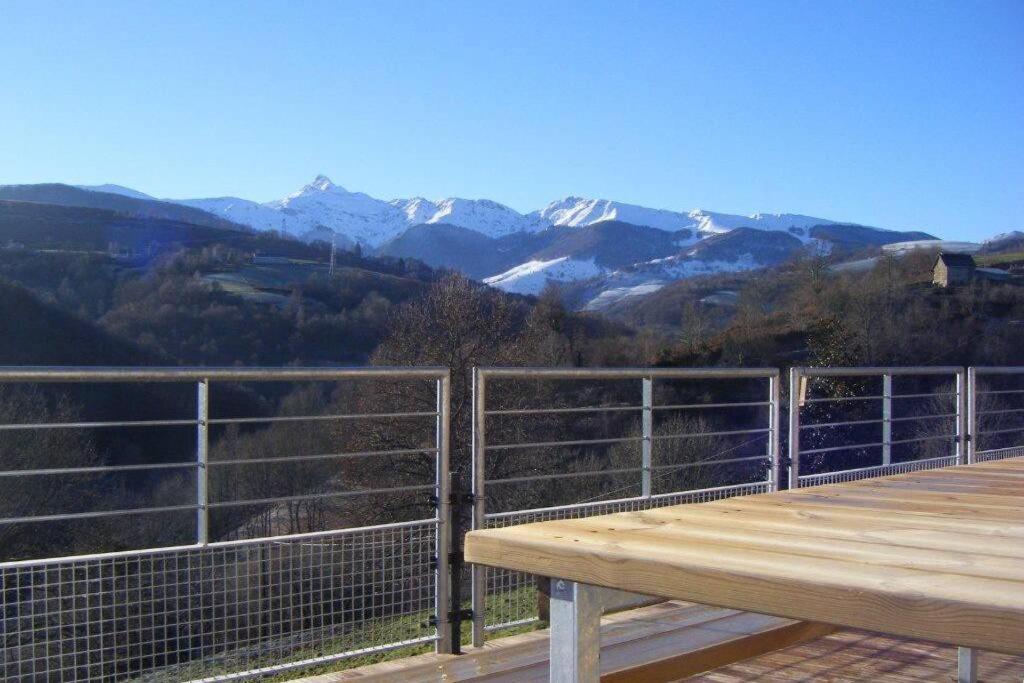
[(617, 429), (874, 422), (995, 413), (219, 607), (265, 562)]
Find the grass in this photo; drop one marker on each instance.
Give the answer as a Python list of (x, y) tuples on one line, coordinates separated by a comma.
[(1000, 259), (518, 601)]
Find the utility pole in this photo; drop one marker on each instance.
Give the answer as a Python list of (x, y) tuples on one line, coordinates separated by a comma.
[(333, 249)]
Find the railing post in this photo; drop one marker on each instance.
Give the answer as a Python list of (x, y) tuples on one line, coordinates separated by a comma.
[(971, 437), (794, 428), (887, 419), (479, 577), (202, 457), (774, 461), (442, 588), (647, 444), (961, 418)]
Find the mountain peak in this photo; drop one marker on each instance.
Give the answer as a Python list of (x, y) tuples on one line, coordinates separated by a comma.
[(321, 184)]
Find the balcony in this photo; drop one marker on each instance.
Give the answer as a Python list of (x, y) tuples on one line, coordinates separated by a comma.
[(218, 524)]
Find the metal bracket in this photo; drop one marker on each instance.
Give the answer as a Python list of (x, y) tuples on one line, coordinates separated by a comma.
[(464, 615)]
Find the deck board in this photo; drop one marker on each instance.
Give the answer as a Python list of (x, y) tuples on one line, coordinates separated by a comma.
[(856, 656), (930, 556)]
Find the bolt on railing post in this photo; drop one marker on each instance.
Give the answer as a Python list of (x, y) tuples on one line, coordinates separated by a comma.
[(479, 578), (887, 419), (774, 461), (442, 587), (794, 428), (647, 427), (202, 457)]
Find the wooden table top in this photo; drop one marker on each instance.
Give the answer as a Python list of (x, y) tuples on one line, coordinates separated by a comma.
[(935, 555)]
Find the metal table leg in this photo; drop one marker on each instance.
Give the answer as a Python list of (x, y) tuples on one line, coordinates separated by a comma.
[(575, 632), (966, 665)]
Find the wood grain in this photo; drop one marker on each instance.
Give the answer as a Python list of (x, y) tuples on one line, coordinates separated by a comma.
[(934, 555)]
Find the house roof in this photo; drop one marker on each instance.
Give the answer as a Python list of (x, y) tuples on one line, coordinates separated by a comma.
[(956, 260)]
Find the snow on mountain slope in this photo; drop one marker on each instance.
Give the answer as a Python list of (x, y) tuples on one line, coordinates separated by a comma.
[(116, 189), (482, 215), (258, 216), (714, 223), (322, 204), (576, 211), (321, 207), (532, 276)]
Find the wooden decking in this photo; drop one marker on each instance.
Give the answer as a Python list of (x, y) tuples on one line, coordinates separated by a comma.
[(708, 641), (848, 656), (685, 637)]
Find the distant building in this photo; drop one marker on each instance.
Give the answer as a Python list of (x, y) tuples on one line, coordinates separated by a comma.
[(953, 269), (959, 269)]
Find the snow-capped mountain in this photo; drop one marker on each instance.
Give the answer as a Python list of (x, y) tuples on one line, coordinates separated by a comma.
[(576, 212), (483, 215), (627, 248), (322, 208), (245, 212), (714, 223)]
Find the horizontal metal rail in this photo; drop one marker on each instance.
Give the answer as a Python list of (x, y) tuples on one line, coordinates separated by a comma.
[(711, 490), (321, 456), (877, 371), (99, 469), (319, 418), (999, 370), (983, 432), (74, 374), (876, 420), (980, 413), (695, 435), (697, 406), (96, 514), (554, 444), (96, 425), (877, 444), (280, 538), (627, 373), (555, 411), (318, 496)]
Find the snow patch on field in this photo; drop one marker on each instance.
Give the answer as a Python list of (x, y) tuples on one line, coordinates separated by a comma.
[(941, 245), (617, 294), (532, 276)]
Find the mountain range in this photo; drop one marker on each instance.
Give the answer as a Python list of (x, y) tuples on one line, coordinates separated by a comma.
[(624, 248)]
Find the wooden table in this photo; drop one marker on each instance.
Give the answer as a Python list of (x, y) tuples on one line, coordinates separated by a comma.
[(935, 555)]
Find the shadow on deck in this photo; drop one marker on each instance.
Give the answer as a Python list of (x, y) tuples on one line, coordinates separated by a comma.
[(674, 640)]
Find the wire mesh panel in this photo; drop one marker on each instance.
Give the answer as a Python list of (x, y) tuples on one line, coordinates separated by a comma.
[(310, 521), (996, 413), (219, 611), (559, 444), (855, 423)]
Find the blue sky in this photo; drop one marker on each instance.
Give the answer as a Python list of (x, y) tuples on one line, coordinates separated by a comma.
[(900, 114)]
